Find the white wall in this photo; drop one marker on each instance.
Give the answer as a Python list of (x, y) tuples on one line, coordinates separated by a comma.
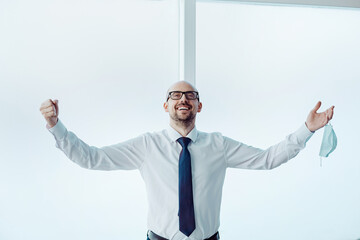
[(109, 63), (259, 71)]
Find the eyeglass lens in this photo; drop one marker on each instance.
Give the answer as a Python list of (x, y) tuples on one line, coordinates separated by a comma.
[(178, 95)]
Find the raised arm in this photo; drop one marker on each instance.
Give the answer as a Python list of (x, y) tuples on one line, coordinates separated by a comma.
[(239, 155), (126, 155)]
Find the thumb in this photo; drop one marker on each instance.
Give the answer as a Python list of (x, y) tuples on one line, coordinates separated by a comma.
[(317, 106), (56, 103)]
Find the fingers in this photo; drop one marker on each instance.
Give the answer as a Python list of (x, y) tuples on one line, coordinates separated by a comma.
[(48, 115), (49, 108), (330, 113), (46, 104), (53, 106), (317, 106), (46, 109)]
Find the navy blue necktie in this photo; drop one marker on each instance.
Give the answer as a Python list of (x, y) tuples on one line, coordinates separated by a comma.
[(186, 203)]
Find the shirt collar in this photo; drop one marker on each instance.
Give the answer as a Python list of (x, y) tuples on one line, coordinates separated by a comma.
[(174, 135)]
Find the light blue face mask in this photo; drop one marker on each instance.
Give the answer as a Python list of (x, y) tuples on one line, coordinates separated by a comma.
[(329, 141)]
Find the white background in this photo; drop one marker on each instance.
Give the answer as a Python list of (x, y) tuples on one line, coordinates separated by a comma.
[(260, 70)]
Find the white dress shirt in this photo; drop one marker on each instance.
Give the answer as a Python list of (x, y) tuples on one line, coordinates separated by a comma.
[(156, 156)]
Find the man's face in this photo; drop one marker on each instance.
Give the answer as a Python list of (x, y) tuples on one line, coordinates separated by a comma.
[(182, 110)]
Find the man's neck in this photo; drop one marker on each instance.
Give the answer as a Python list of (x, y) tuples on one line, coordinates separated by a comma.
[(184, 130)]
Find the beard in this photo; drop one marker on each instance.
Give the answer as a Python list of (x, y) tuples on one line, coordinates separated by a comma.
[(185, 121)]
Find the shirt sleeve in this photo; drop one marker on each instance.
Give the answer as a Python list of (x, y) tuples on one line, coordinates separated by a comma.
[(127, 155), (239, 155)]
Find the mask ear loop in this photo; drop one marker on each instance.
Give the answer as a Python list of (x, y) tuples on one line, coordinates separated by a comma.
[(321, 161)]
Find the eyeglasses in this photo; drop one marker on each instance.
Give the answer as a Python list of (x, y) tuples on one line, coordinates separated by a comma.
[(176, 95)]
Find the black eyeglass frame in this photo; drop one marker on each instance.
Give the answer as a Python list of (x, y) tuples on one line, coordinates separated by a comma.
[(182, 93)]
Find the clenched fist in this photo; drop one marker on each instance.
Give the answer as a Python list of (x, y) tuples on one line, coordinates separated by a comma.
[(50, 110)]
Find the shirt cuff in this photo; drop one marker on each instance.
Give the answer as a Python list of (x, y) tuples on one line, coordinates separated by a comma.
[(304, 133), (59, 130)]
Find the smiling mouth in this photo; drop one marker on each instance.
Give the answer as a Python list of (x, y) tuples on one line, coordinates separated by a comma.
[(183, 108)]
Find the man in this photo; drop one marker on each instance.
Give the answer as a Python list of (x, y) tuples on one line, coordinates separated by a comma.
[(183, 168)]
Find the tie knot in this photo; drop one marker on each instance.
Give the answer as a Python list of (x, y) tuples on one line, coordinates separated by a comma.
[(184, 141)]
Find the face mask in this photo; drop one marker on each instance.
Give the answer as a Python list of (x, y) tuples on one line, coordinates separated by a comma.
[(329, 141)]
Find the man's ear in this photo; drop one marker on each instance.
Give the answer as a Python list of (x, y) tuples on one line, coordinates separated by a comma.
[(199, 107), (166, 106)]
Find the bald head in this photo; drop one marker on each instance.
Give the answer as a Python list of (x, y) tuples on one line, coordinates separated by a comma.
[(182, 108), (181, 86)]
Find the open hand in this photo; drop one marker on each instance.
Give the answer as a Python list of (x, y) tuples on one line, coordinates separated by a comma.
[(316, 120)]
